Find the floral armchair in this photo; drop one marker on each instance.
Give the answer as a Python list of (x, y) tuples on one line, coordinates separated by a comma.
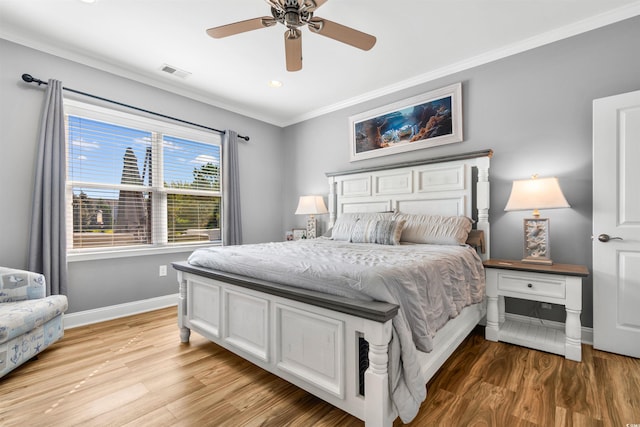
[(30, 321)]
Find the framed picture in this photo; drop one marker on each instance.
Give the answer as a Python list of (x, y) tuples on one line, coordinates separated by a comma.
[(299, 233), (536, 240), (423, 121)]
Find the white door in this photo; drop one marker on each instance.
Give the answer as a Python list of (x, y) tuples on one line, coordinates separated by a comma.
[(616, 224)]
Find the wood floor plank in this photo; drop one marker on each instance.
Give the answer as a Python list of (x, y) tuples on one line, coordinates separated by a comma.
[(135, 372)]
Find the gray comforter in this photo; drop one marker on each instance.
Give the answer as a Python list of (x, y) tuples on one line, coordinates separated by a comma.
[(430, 283)]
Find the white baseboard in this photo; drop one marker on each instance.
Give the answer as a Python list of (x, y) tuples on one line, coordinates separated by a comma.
[(102, 314), (587, 333), (88, 317)]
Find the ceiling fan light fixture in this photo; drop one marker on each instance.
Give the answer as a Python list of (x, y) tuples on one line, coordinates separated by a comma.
[(315, 25), (268, 21)]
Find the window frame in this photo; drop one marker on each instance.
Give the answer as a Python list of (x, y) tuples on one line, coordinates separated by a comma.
[(159, 234)]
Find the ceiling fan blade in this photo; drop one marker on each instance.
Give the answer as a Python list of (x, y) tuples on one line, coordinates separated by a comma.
[(241, 27), (293, 49), (341, 33)]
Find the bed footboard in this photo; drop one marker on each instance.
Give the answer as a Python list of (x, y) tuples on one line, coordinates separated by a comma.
[(307, 338)]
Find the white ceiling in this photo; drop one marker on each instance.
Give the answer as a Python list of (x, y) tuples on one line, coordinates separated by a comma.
[(418, 40)]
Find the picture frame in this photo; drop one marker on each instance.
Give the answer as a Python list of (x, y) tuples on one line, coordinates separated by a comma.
[(299, 233), (536, 241), (423, 121)]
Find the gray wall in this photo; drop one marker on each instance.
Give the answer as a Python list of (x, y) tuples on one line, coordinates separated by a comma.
[(533, 109), (101, 283)]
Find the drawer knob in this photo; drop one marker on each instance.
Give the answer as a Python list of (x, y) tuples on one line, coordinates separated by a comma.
[(529, 285)]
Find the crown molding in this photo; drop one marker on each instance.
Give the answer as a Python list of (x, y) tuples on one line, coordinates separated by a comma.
[(549, 37), (561, 33)]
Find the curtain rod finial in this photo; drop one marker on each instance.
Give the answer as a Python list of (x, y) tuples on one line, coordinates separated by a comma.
[(30, 79)]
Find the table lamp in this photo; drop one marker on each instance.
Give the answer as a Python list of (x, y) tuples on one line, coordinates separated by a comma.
[(311, 205), (536, 193)]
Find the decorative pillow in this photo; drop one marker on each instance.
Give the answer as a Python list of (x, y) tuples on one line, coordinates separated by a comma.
[(435, 229), (388, 232), (364, 231), (343, 227), (384, 232)]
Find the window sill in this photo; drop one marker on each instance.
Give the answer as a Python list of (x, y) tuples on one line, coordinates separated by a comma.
[(125, 252)]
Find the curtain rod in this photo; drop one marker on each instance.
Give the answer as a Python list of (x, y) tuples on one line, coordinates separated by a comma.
[(29, 79)]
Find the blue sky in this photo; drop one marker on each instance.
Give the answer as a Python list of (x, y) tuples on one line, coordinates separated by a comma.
[(97, 150)]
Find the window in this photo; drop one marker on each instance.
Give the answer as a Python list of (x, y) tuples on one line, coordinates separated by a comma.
[(134, 181)]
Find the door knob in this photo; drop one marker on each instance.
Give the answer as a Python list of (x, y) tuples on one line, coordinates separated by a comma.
[(604, 238)]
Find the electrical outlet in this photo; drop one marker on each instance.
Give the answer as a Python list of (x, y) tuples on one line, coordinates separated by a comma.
[(545, 305), (163, 270)]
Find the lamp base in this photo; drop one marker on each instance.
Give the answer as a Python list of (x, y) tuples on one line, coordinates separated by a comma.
[(311, 227), (537, 249), (537, 260)]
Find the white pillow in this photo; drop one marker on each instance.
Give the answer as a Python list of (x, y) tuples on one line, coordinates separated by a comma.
[(435, 229), (369, 216), (343, 227)]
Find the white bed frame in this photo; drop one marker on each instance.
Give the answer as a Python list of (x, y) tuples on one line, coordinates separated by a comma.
[(311, 339)]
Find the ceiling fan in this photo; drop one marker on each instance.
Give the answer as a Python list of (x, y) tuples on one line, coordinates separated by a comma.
[(294, 14)]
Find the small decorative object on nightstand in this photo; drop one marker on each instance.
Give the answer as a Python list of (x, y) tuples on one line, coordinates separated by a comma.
[(536, 193), (311, 205), (555, 284)]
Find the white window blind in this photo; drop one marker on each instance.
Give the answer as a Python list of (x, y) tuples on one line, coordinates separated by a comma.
[(135, 181)]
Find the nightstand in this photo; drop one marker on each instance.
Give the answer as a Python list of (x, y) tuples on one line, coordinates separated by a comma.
[(556, 284)]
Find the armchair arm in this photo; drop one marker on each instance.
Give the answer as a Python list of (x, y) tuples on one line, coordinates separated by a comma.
[(19, 285)]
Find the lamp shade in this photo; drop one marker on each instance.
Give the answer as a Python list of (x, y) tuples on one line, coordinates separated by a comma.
[(536, 193), (311, 205)]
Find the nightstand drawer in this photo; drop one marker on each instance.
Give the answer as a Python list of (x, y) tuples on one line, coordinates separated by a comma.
[(531, 285)]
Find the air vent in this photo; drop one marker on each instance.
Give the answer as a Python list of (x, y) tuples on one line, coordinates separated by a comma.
[(175, 71)]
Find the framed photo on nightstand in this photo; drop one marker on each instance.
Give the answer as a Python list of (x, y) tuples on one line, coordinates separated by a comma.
[(299, 233)]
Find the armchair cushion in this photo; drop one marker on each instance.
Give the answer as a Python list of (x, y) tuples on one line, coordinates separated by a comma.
[(20, 285), (17, 318)]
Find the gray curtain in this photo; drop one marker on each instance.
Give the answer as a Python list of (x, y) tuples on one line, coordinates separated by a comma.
[(47, 242), (231, 218)]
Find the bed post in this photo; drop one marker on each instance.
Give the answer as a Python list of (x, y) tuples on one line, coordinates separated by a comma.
[(185, 332), (332, 201), (482, 202), (378, 409)]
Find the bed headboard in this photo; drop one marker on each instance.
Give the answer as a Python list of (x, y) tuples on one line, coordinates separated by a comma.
[(450, 185)]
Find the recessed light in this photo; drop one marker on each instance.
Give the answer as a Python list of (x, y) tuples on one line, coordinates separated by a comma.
[(275, 83), (88, 1)]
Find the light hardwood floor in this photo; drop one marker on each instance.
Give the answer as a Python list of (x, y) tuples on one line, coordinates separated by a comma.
[(134, 372)]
